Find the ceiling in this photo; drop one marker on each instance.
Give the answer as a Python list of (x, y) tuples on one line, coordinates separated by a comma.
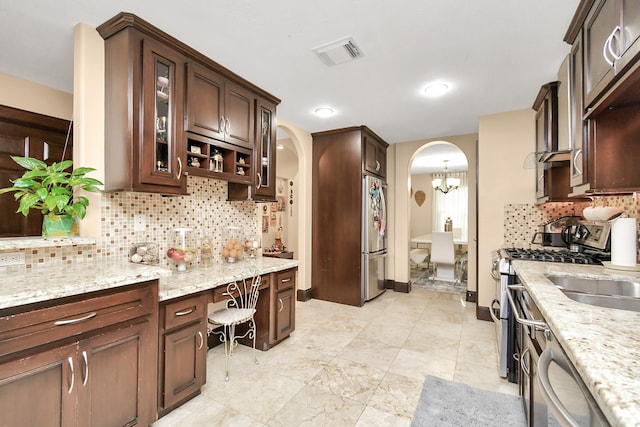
[(493, 54)]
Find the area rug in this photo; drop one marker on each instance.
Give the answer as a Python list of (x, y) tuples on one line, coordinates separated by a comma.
[(446, 403)]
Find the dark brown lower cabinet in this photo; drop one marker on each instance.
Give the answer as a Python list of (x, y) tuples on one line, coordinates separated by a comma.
[(182, 350), (285, 301), (102, 373)]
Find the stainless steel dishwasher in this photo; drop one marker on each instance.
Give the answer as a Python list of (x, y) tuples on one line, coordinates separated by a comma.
[(552, 390)]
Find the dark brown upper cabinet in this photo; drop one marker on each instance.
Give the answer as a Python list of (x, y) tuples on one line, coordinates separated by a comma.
[(375, 154), (144, 132), (217, 108)]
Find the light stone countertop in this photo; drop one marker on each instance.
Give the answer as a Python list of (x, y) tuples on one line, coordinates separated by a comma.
[(43, 284), (603, 344)]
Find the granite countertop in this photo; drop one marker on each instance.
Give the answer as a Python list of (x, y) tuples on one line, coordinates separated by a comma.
[(27, 287), (603, 344)]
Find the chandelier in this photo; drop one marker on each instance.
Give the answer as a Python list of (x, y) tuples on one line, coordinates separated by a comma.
[(445, 184)]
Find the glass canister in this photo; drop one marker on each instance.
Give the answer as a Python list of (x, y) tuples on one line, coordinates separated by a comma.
[(232, 244), (206, 251), (251, 245), (182, 250)]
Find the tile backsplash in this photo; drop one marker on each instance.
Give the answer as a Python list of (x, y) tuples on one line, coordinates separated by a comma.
[(205, 210), (521, 221)]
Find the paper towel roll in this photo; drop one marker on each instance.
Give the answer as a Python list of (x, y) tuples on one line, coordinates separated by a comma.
[(624, 242)]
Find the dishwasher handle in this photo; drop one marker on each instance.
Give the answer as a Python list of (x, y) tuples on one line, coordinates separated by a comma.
[(550, 396)]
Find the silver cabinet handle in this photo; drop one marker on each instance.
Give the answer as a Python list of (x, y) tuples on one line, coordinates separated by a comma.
[(70, 362), (185, 312), (179, 168), (227, 128), (259, 184), (525, 355), (77, 320), (548, 356), (221, 124), (281, 305), (575, 162), (612, 37), (537, 324), (493, 316), (85, 360), (45, 151), (287, 280), (201, 340), (377, 166)]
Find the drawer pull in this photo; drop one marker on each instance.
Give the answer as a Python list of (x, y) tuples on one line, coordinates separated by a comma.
[(70, 362), (185, 312), (201, 340), (78, 320), (288, 279), (86, 368), (281, 305)]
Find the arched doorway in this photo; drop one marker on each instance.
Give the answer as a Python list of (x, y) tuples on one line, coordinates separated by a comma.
[(439, 194)]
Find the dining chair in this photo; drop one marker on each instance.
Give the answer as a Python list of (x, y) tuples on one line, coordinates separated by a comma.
[(443, 256), (240, 308)]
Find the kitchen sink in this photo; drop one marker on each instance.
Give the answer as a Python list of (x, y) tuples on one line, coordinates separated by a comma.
[(609, 293)]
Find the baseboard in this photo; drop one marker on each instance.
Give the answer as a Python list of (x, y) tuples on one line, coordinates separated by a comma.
[(389, 284), (472, 296), (401, 287), (483, 313), (304, 295)]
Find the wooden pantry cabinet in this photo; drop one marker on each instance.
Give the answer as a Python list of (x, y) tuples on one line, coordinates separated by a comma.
[(90, 360), (172, 111)]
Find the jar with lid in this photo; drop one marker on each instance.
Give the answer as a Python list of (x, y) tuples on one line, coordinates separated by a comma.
[(206, 251), (232, 241), (182, 249), (216, 161), (448, 224), (251, 245)]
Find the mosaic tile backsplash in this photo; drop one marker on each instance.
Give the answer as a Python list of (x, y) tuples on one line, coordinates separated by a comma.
[(521, 221), (205, 210)]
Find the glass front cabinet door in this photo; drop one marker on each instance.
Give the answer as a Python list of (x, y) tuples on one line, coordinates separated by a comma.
[(265, 152), (161, 147)]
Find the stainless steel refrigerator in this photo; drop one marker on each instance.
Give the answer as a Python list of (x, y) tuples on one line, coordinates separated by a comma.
[(374, 237)]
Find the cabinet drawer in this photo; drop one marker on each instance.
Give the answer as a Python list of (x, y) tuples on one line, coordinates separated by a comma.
[(182, 312), (58, 321), (286, 279)]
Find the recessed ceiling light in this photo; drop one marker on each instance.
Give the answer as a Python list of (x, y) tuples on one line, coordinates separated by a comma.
[(324, 112), (436, 89)]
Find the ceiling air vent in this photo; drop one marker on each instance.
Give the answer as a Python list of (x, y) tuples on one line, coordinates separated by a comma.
[(337, 52)]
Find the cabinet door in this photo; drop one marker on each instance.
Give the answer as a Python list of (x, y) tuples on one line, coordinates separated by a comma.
[(285, 317), (51, 378), (161, 146), (238, 107), (265, 151), (205, 102), (602, 43), (541, 147), (185, 359), (117, 378), (578, 160), (374, 156)]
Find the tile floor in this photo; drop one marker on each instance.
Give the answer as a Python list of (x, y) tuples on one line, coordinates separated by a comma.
[(349, 366)]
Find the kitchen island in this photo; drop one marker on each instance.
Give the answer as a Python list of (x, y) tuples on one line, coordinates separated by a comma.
[(603, 344)]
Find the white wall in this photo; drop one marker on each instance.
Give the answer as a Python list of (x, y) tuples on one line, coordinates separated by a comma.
[(505, 139), (421, 216)]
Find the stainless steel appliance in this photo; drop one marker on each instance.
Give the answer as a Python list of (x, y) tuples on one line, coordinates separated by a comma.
[(553, 232), (374, 237), (553, 392)]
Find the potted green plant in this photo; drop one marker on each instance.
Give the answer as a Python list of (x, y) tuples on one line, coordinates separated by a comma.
[(50, 189)]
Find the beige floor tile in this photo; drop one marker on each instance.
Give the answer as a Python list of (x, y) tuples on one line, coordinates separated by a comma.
[(318, 407), (372, 353), (203, 411), (349, 379), (417, 365), (397, 395), (373, 417), (480, 376)]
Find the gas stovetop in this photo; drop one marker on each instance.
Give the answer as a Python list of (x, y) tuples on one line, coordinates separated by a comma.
[(552, 256)]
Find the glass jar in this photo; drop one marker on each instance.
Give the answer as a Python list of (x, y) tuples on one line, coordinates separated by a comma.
[(182, 250), (251, 245), (232, 244), (206, 251)]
